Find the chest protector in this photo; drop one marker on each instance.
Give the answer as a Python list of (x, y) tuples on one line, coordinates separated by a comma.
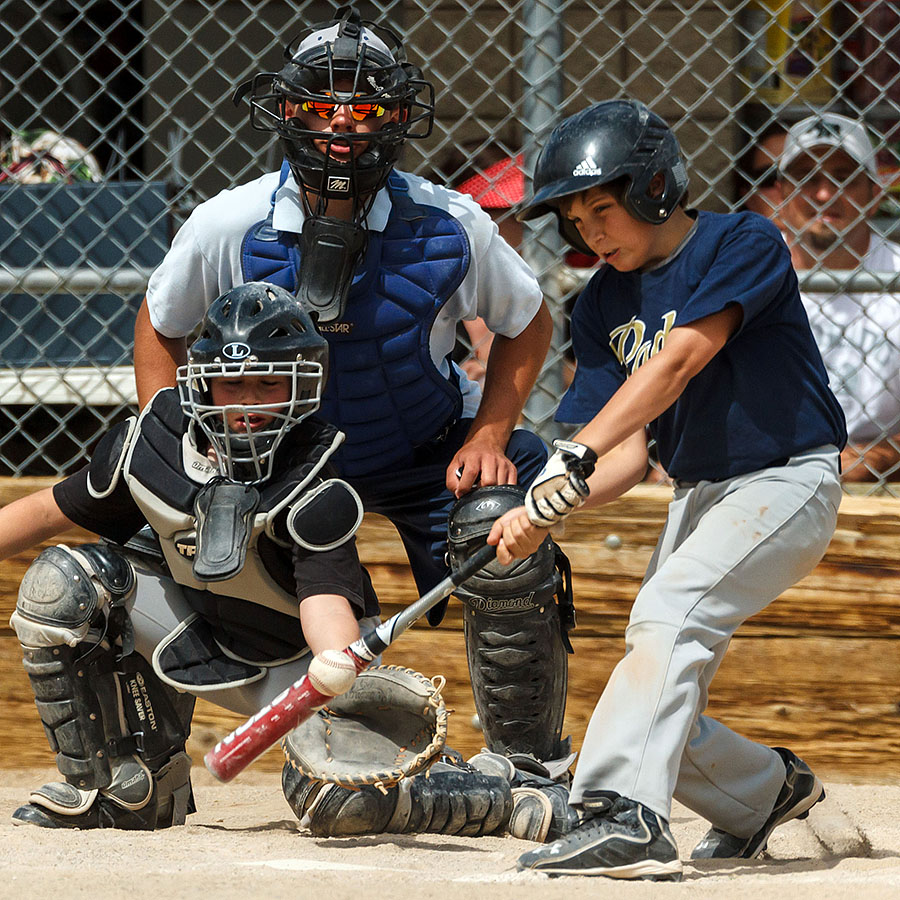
[(155, 471), (384, 391)]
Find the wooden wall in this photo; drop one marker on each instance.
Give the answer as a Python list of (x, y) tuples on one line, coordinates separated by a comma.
[(818, 670)]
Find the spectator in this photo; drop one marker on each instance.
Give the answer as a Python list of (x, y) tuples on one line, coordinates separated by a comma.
[(757, 171), (829, 183), (496, 182)]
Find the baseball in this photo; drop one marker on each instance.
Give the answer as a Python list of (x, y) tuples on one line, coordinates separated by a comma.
[(332, 672)]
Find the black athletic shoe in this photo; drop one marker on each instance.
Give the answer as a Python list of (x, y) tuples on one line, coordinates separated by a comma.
[(801, 792), (618, 838)]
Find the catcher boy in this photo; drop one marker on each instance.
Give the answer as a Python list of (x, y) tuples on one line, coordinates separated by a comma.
[(247, 570), (693, 327)]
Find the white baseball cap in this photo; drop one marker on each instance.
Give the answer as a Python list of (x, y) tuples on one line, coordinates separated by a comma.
[(830, 130)]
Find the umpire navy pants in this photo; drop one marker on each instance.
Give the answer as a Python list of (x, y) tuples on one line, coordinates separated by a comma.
[(415, 498)]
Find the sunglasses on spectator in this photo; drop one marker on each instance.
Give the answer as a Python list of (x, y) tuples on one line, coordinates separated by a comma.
[(360, 111)]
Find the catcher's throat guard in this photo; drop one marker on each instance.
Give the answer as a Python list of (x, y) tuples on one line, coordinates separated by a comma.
[(224, 512), (330, 249), (390, 725)]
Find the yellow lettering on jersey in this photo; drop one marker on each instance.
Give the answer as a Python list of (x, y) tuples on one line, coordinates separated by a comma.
[(628, 344), (626, 339)]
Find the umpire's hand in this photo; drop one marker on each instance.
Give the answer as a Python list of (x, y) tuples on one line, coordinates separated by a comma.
[(479, 463)]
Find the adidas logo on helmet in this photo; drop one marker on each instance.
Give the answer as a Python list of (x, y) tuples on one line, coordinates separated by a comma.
[(587, 167)]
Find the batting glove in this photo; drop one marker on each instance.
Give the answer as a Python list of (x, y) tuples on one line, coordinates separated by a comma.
[(561, 486)]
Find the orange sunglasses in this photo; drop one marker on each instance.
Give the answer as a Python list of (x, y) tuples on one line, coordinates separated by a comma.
[(359, 111)]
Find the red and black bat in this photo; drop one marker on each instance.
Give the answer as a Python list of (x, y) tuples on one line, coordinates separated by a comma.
[(298, 702)]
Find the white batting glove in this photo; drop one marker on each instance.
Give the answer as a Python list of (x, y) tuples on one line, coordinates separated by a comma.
[(561, 486)]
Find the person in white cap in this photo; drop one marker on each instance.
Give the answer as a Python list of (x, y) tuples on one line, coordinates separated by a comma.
[(830, 187)]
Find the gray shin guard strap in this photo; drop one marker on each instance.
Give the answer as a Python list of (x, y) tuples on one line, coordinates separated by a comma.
[(400, 818), (174, 797)]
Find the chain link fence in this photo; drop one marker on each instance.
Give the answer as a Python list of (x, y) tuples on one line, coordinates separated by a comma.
[(117, 119)]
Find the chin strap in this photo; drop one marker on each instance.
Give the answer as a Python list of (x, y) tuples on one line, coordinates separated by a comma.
[(330, 250)]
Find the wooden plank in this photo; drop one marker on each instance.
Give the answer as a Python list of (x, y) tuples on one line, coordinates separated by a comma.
[(816, 670), (781, 691)]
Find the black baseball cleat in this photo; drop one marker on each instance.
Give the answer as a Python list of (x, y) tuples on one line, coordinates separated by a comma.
[(618, 838), (800, 793)]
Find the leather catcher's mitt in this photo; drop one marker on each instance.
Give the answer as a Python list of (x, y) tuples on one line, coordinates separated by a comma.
[(392, 724)]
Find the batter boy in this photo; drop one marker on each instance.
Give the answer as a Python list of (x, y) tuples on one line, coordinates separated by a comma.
[(695, 329)]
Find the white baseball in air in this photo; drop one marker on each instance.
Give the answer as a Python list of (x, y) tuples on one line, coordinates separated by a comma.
[(332, 672)]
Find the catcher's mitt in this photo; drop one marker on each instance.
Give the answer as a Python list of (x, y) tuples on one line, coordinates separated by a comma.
[(392, 724)]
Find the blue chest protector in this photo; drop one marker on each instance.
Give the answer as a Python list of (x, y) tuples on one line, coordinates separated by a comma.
[(384, 390)]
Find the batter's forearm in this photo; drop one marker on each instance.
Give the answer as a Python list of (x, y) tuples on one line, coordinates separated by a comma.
[(645, 395), (660, 381), (619, 470), (156, 357)]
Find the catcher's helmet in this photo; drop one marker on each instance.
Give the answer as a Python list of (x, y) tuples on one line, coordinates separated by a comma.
[(604, 142), (253, 330), (333, 63)]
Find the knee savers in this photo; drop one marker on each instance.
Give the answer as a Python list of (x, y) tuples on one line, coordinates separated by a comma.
[(516, 623), (102, 706), (64, 591)]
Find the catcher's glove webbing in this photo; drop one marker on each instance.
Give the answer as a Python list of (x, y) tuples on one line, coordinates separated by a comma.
[(391, 725)]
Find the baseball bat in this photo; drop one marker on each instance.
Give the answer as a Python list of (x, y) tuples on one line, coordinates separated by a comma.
[(297, 703)]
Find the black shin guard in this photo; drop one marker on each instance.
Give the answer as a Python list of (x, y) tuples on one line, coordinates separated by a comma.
[(119, 733), (516, 623), (518, 668)]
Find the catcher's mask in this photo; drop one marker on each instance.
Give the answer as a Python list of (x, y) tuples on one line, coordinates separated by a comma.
[(255, 330), (350, 62)]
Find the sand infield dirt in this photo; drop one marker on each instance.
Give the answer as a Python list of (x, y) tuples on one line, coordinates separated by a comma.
[(244, 843)]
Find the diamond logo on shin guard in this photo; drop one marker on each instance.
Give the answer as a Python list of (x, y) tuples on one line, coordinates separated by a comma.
[(502, 604)]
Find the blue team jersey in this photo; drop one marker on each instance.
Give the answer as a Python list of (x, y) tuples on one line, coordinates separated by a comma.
[(763, 398)]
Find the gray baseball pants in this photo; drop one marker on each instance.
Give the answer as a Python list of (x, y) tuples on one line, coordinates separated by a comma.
[(727, 550), (158, 608)]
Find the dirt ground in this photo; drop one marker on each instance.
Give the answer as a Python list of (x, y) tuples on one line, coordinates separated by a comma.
[(244, 842)]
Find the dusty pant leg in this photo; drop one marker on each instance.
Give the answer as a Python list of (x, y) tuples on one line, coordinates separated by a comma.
[(727, 551)]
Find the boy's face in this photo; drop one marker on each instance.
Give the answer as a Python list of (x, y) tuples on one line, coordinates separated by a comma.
[(249, 390), (620, 240)]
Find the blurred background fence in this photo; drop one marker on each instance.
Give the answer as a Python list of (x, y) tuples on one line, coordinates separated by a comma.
[(116, 119)]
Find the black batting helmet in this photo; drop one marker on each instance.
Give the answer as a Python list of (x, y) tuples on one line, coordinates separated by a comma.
[(256, 330), (333, 63), (600, 144)]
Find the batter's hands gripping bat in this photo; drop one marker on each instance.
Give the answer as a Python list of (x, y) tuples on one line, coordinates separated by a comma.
[(296, 704)]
